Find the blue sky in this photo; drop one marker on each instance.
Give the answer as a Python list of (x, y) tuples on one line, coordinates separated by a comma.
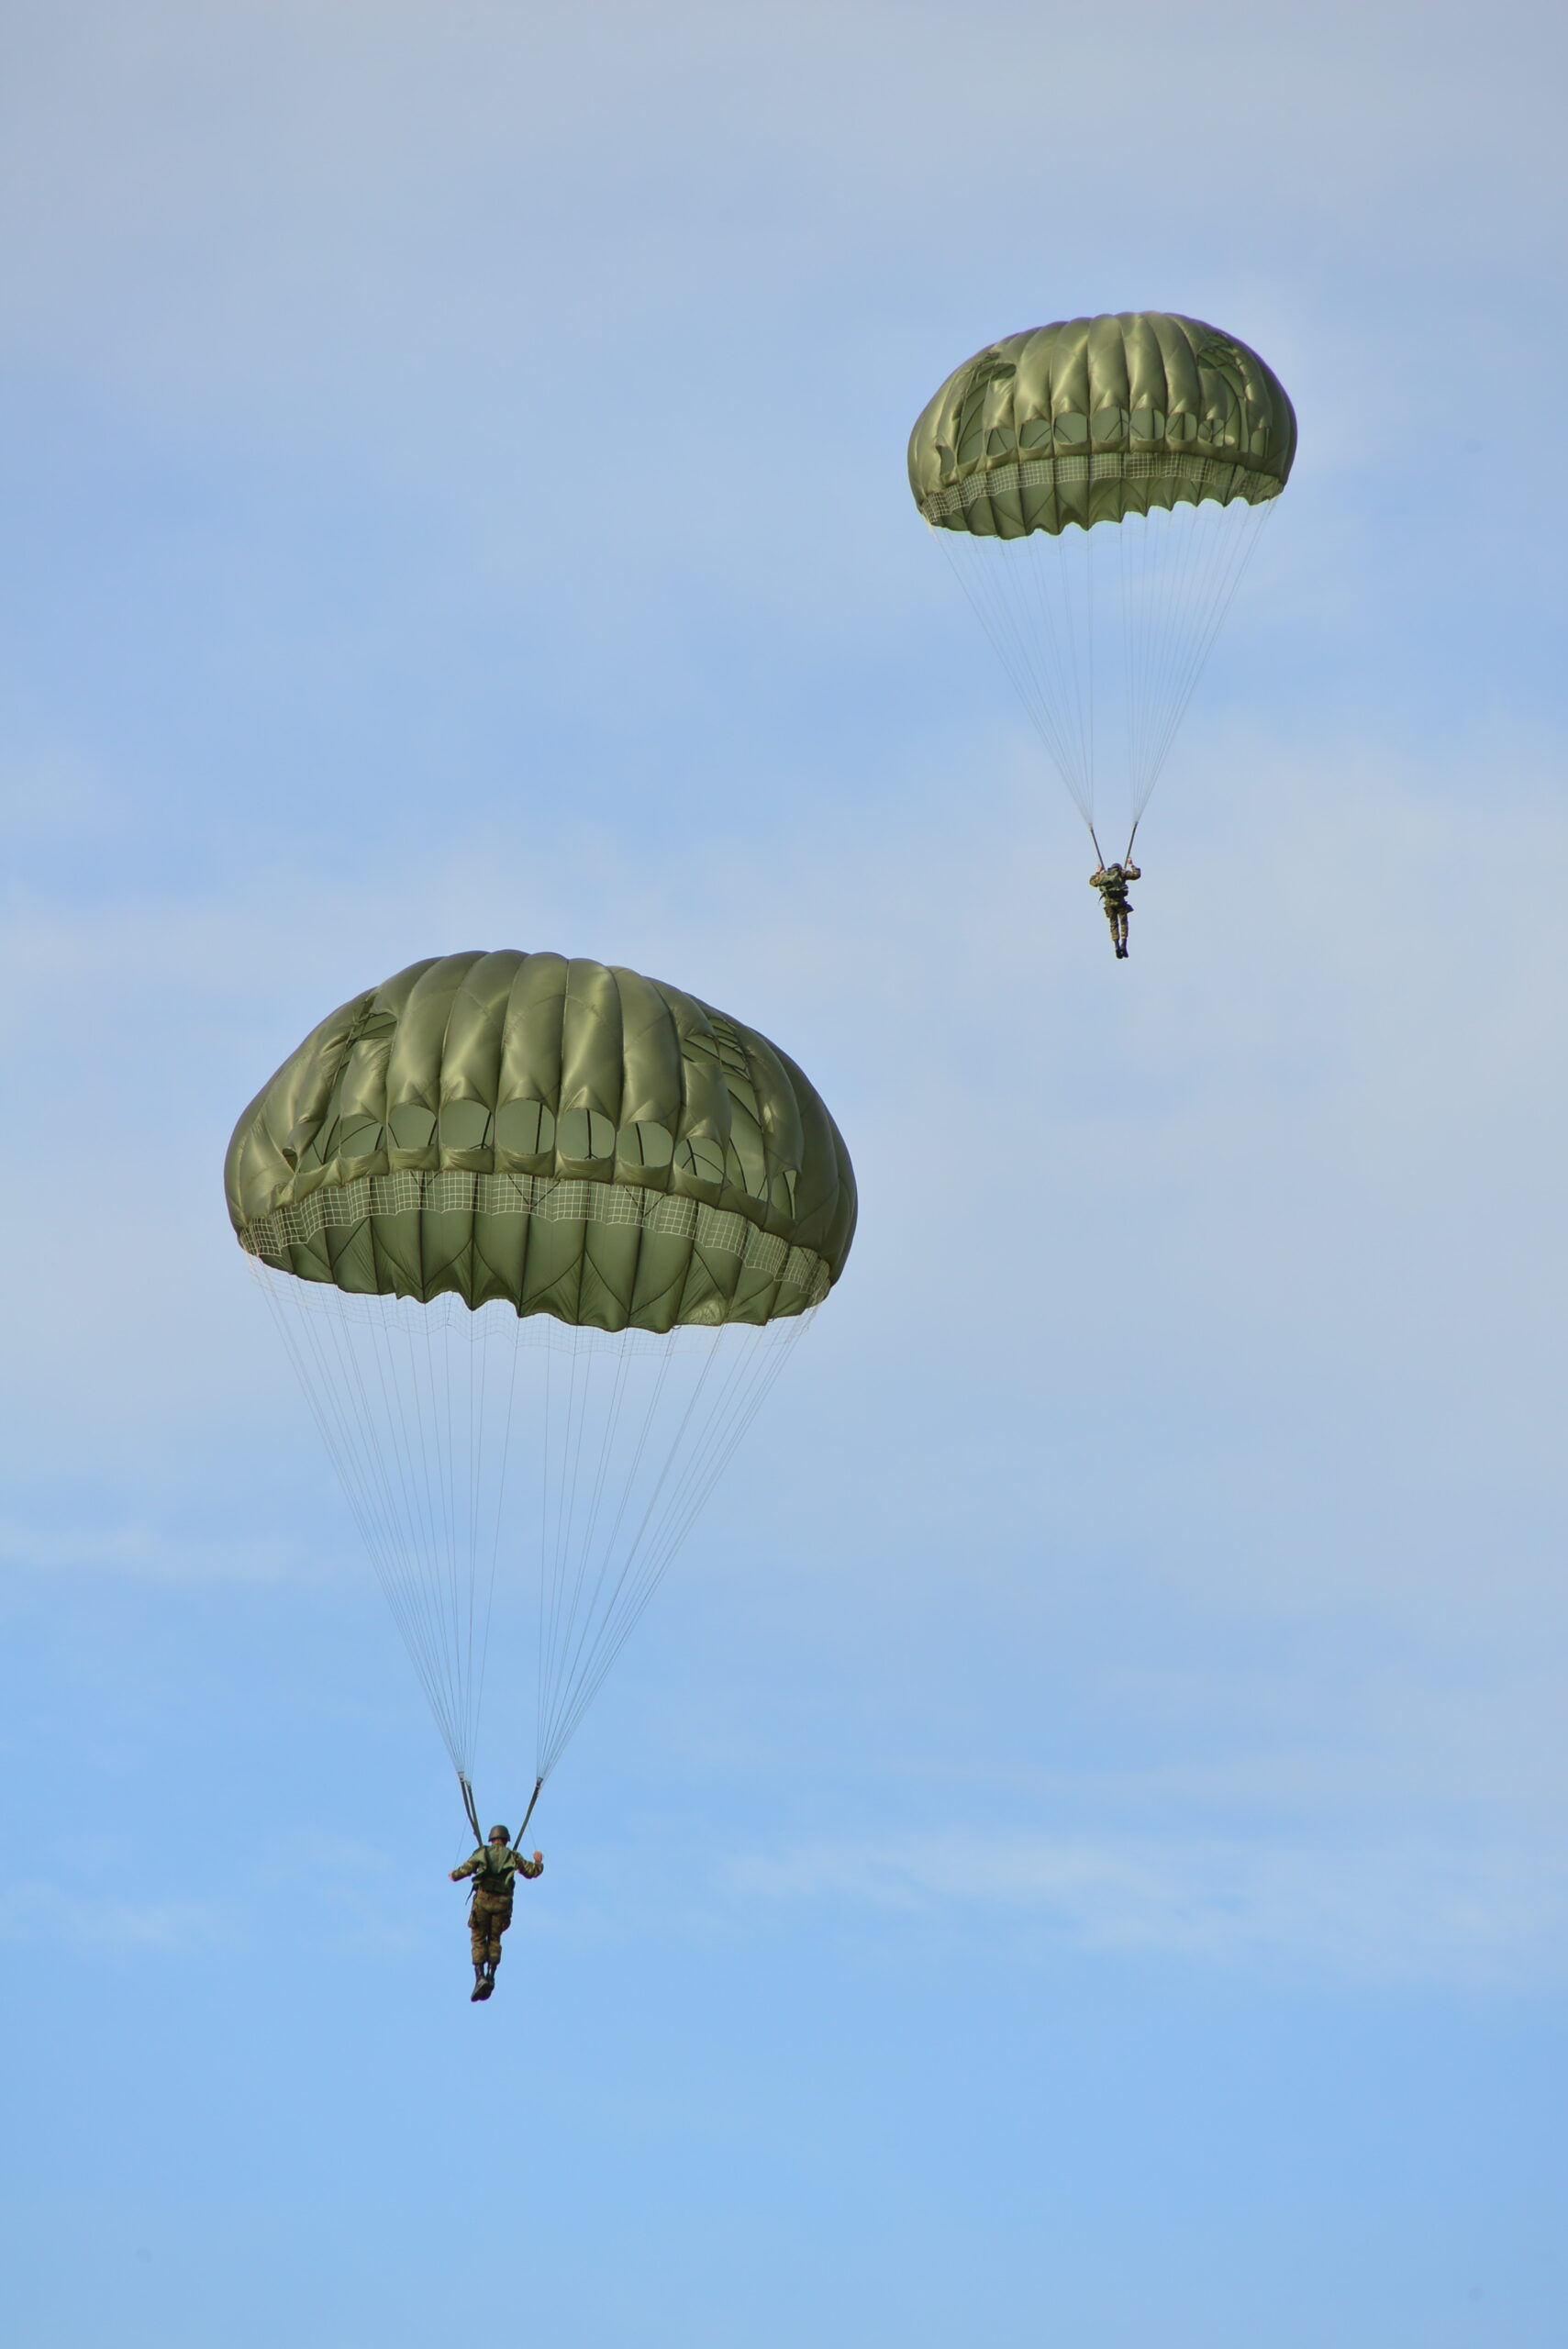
[(1076, 1853)]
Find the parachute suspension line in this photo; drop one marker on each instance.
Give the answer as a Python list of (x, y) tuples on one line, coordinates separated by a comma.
[(410, 1597), (528, 1813), (389, 1324), (1059, 669), (561, 1666), (436, 1592), (1054, 619), (421, 1387), (414, 1470), (516, 1335), (399, 1576), (554, 1458), (681, 1488), (585, 1603), (565, 1561), (550, 1543), (1232, 549), (1180, 571), (542, 1647), (1179, 581), (1167, 569), (386, 1397), (417, 1609), (1133, 545), (475, 1432), (1132, 548), (361, 1473), (599, 1580), (623, 1367), (440, 1412), (767, 1352), (431, 1576), (575, 1667), (1004, 585), (1186, 599), (337, 1437), (1089, 661), (747, 1393), (472, 1594)]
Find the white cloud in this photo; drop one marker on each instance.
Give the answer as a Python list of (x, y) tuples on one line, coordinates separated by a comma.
[(151, 1552), (1397, 1914), (57, 1915)]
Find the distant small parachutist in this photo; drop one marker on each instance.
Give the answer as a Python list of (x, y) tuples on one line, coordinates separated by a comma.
[(1111, 881)]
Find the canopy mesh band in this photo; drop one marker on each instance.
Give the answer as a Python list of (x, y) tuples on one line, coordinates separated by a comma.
[(552, 1201), (1202, 476)]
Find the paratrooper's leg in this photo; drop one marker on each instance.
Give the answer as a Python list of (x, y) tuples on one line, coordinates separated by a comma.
[(499, 1921)]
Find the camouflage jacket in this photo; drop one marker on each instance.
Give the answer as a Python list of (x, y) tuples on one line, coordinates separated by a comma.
[(494, 1870), (1111, 881)]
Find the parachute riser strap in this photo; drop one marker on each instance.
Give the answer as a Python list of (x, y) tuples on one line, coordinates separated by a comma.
[(468, 1804), (529, 1812)]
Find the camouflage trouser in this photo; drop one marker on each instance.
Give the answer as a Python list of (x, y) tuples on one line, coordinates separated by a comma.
[(1116, 916), (487, 1920)]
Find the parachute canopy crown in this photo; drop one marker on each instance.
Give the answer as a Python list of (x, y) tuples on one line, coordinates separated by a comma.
[(1092, 419), (564, 1136)]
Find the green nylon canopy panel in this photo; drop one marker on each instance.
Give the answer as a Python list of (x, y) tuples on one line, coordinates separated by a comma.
[(563, 1136), (1092, 419)]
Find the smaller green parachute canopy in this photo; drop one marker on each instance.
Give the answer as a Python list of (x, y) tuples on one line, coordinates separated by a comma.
[(1092, 419), (563, 1136)]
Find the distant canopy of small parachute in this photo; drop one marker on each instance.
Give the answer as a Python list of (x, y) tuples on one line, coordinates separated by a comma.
[(538, 1234), (1176, 433)]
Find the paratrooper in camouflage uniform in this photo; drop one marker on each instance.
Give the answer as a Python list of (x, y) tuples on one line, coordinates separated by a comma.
[(1111, 881), (494, 1869)]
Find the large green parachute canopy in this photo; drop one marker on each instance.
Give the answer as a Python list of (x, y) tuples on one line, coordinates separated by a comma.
[(1175, 432), (537, 1235), (565, 1137), (1092, 419)]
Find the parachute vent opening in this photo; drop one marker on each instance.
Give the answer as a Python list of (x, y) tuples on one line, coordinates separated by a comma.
[(520, 1485)]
